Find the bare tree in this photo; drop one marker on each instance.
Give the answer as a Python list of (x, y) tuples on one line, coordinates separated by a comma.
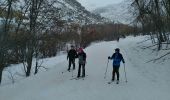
[(41, 16), (4, 36), (151, 14), (35, 6)]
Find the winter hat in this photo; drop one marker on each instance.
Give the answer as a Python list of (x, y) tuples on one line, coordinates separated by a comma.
[(117, 49), (80, 50), (72, 46)]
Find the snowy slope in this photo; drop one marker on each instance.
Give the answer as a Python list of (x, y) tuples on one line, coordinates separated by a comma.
[(144, 81), (117, 12)]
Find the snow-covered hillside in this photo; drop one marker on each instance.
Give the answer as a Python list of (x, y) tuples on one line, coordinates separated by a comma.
[(117, 12), (146, 81), (73, 10), (67, 10)]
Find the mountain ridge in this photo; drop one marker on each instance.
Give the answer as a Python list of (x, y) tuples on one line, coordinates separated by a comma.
[(120, 12)]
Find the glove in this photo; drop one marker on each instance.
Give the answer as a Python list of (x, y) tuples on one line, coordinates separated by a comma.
[(109, 57), (123, 61), (84, 62)]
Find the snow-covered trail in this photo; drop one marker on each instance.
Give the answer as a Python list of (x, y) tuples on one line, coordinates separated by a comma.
[(53, 85)]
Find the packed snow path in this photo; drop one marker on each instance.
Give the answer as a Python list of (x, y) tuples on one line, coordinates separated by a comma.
[(55, 85)]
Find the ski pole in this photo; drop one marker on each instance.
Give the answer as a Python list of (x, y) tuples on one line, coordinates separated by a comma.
[(106, 69), (73, 70), (125, 74), (64, 71), (72, 73)]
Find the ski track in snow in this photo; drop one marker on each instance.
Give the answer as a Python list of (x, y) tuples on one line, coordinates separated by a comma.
[(53, 85)]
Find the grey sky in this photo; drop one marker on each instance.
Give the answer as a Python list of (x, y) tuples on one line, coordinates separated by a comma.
[(92, 4)]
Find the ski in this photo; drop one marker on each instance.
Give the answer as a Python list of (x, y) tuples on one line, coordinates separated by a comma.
[(67, 71), (84, 77), (64, 72), (77, 78), (73, 78), (117, 82), (80, 78), (110, 82)]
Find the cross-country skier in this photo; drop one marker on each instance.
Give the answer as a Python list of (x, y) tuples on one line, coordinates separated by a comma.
[(72, 54), (117, 58), (81, 61)]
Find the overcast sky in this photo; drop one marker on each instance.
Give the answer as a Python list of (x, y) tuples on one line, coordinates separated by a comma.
[(92, 4)]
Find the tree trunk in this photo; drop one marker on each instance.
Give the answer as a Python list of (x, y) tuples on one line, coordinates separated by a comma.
[(29, 68), (29, 62), (36, 68), (1, 70)]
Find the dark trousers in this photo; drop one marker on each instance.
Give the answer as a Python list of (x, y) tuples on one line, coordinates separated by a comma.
[(83, 70), (71, 61), (115, 71)]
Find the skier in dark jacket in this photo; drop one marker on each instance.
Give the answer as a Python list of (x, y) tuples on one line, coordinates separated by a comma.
[(82, 62), (118, 39), (72, 54), (117, 58)]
